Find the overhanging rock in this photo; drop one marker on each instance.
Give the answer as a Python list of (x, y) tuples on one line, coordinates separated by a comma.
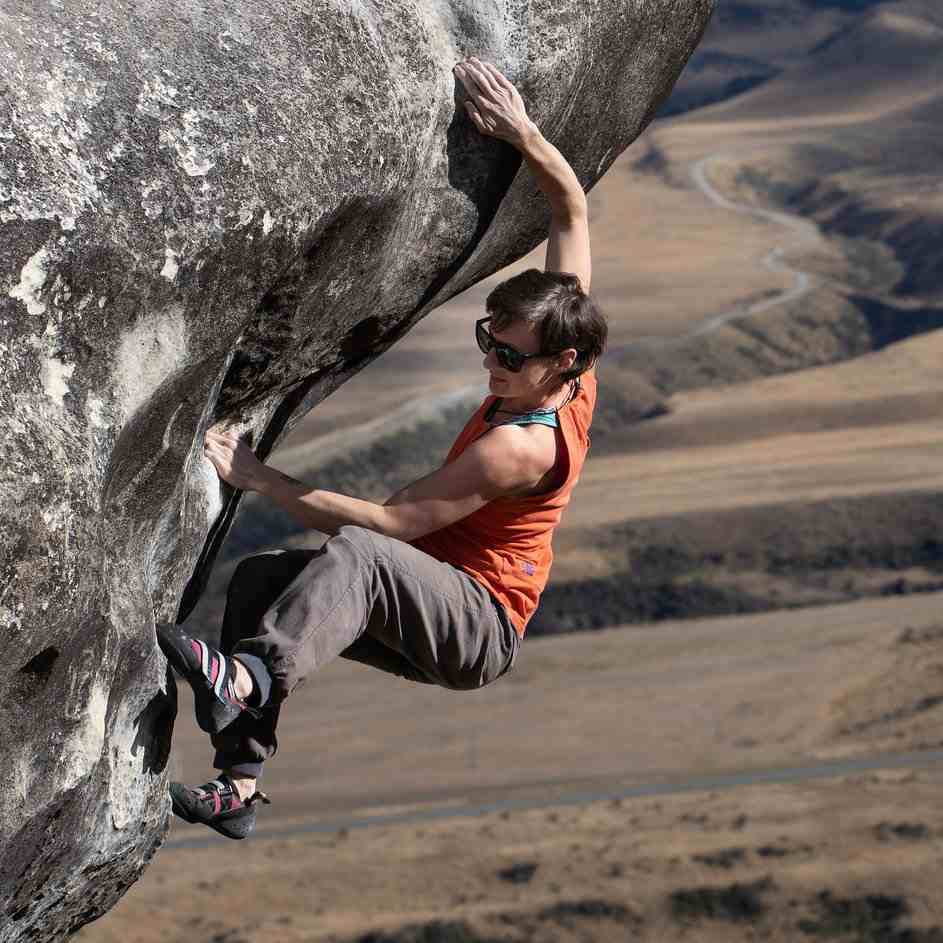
[(223, 210)]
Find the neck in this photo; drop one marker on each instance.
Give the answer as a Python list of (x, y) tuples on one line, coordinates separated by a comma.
[(526, 404)]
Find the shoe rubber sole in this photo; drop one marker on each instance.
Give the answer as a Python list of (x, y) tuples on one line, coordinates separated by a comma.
[(181, 812)]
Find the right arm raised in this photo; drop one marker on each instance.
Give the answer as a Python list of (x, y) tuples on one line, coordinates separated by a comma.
[(497, 110), (568, 245)]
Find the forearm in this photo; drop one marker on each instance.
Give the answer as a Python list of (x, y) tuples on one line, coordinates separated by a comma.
[(554, 175), (326, 511)]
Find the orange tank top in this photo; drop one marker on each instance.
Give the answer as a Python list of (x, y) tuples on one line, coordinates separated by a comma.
[(506, 544)]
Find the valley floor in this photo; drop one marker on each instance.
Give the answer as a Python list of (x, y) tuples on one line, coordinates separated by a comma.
[(591, 714)]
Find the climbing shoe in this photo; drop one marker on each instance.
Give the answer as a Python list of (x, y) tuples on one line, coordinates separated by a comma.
[(211, 675), (217, 804)]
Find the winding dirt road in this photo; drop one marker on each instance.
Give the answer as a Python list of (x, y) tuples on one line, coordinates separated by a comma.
[(803, 232)]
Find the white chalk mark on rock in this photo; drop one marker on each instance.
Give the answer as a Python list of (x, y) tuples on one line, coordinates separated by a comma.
[(150, 201), (32, 279), (170, 269), (55, 375), (147, 355), (186, 142), (154, 93), (94, 407), (83, 749)]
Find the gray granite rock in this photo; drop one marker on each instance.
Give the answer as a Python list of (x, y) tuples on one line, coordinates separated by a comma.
[(223, 210)]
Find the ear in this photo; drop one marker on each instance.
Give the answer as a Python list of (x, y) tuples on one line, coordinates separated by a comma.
[(566, 358)]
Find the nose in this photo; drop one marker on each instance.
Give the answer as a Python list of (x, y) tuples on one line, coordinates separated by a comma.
[(491, 360)]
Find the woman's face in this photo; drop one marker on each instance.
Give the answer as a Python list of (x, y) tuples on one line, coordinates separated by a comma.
[(537, 375)]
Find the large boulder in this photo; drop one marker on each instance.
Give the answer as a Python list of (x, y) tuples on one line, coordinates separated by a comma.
[(222, 210)]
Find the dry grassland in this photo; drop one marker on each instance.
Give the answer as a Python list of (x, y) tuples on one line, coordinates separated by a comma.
[(592, 716), (855, 857)]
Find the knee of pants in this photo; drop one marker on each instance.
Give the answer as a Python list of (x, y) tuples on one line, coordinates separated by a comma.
[(248, 570), (473, 677), (244, 576), (465, 682), (363, 539), (469, 679)]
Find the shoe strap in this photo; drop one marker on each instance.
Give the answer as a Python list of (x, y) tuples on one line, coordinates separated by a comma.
[(224, 783), (255, 712)]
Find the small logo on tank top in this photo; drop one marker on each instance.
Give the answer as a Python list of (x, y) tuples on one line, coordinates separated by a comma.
[(528, 568)]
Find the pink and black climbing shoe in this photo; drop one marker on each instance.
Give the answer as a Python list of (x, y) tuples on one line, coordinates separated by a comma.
[(217, 804), (210, 673)]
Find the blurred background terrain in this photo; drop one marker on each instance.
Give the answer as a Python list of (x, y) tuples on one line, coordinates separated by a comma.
[(725, 490), (748, 576)]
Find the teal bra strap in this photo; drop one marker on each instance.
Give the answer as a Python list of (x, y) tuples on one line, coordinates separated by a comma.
[(538, 417), (546, 416)]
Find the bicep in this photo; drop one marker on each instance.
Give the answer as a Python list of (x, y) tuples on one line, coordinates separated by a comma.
[(492, 466), (568, 248)]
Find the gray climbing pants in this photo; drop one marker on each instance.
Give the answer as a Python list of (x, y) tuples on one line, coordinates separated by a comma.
[(362, 596)]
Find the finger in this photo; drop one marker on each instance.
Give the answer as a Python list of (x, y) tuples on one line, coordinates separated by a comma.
[(483, 78), (218, 450), (475, 116), (496, 75), (499, 78), (467, 79), (474, 79)]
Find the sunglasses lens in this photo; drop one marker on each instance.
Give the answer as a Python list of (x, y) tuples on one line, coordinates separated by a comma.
[(484, 341), (509, 359)]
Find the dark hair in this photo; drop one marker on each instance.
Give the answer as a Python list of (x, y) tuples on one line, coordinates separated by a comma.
[(562, 313)]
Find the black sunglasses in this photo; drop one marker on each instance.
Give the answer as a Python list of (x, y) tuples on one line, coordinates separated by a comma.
[(508, 357)]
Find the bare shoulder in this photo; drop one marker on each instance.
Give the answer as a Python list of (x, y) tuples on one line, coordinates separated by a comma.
[(530, 450), (533, 444)]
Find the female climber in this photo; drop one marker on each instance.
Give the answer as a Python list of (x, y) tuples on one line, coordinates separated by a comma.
[(438, 583)]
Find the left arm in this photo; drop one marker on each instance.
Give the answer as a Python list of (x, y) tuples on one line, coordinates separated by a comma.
[(316, 509), (496, 464)]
